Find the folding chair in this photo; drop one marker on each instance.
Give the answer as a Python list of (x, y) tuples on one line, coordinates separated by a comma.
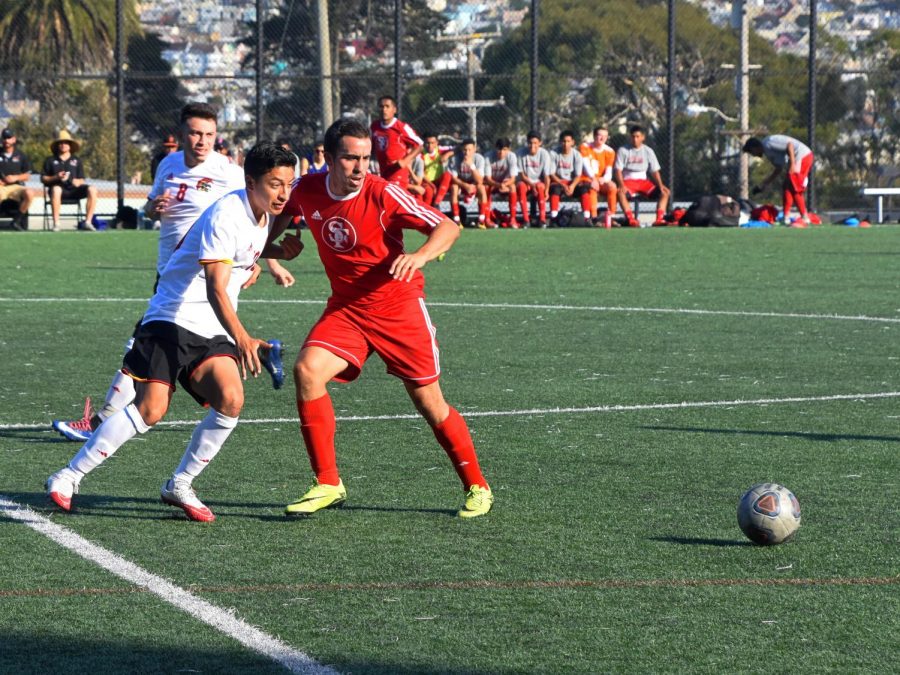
[(48, 210)]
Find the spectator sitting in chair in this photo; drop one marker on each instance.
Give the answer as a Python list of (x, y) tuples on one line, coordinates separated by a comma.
[(637, 173), (14, 171), (535, 167), (566, 177), (63, 176), (598, 160)]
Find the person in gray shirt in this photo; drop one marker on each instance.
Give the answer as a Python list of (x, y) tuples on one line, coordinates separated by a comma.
[(566, 177), (501, 180), (785, 152), (535, 167), (468, 169), (637, 173)]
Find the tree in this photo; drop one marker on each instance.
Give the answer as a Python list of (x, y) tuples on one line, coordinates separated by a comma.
[(60, 36)]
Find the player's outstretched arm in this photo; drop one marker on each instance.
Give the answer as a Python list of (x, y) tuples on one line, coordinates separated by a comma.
[(439, 241), (217, 276)]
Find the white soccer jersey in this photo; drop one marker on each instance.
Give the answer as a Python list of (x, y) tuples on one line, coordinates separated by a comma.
[(228, 232), (192, 191)]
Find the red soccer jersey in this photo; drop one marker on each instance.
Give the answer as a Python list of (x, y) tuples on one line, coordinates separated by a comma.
[(391, 143), (359, 236)]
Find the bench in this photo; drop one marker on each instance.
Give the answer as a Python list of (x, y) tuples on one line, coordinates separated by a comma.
[(880, 193)]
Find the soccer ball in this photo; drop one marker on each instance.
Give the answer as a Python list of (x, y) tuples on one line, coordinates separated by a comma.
[(769, 514)]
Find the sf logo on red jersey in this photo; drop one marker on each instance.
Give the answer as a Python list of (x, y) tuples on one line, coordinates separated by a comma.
[(339, 234)]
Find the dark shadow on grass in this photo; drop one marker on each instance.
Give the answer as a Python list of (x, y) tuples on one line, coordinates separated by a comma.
[(700, 541), (810, 436)]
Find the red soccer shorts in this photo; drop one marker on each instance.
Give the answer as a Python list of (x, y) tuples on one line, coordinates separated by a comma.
[(640, 186), (797, 182), (401, 334)]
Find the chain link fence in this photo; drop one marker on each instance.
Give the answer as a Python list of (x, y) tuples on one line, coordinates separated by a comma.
[(468, 70)]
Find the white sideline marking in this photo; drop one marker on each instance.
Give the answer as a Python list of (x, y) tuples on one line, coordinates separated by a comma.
[(220, 619), (500, 305), (534, 411)]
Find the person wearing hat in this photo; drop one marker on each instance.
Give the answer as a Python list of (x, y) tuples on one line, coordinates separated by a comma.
[(63, 176), (169, 145), (14, 171)]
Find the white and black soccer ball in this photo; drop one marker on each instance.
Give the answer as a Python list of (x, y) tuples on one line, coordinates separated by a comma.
[(769, 514)]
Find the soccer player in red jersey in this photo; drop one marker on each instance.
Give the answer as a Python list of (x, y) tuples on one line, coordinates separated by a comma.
[(394, 142), (377, 305)]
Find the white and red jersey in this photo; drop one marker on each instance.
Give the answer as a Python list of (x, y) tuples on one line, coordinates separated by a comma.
[(360, 235), (226, 232), (191, 191), (392, 142)]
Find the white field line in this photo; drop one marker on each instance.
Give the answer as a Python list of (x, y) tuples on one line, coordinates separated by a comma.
[(499, 305), (534, 411), (221, 619)]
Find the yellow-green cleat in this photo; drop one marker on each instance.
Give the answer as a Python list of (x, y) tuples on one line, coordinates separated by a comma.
[(319, 496), (478, 502)]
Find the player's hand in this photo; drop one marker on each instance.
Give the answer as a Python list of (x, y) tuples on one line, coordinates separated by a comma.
[(755, 190), (283, 277), (248, 354), (254, 275), (405, 266), (291, 246), (161, 203)]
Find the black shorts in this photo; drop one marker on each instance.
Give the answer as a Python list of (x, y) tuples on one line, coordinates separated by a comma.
[(75, 191), (167, 353)]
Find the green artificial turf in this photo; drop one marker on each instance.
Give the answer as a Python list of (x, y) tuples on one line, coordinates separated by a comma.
[(613, 545)]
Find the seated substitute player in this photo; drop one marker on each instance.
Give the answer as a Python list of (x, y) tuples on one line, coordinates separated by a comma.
[(785, 151), (535, 166), (598, 160), (187, 182), (566, 175), (468, 169), (14, 171), (436, 178), (501, 179), (637, 173), (377, 305), (191, 334), (63, 175), (395, 143)]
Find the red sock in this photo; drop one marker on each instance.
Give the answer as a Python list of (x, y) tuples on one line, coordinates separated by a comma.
[(317, 425), (442, 187), (660, 214), (554, 202), (454, 209), (512, 205), (453, 435)]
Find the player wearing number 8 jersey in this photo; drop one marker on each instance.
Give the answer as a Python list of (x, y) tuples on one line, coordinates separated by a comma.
[(187, 183), (377, 306)]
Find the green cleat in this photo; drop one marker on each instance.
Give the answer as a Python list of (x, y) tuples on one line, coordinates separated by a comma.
[(478, 502), (319, 496)]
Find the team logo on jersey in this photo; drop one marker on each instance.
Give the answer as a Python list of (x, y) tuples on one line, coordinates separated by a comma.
[(204, 184), (316, 215), (381, 141), (339, 234)]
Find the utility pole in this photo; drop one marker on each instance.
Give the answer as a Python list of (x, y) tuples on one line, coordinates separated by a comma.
[(471, 105), (120, 104), (534, 122), (670, 102), (398, 54), (325, 80), (744, 94), (811, 121), (259, 70)]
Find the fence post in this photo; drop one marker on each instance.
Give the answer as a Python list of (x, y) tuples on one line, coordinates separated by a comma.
[(259, 70), (670, 103), (811, 77), (535, 10), (120, 103), (398, 54)]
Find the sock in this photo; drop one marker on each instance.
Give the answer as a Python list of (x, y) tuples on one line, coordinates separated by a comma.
[(801, 204), (788, 203), (317, 424), (208, 438), (512, 205), (453, 435), (121, 393), (443, 186), (542, 203), (554, 205), (109, 437), (660, 214)]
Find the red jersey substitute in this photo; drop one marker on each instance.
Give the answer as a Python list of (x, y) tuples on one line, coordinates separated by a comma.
[(360, 235), (391, 143)]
